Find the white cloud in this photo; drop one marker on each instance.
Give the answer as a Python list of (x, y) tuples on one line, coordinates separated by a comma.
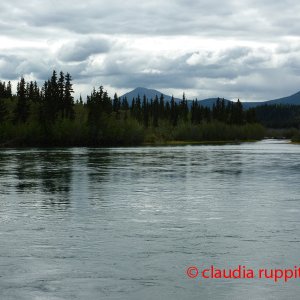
[(206, 48)]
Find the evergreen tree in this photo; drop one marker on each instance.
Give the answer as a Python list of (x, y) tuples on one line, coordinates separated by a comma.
[(22, 108), (3, 111), (237, 113), (183, 109), (161, 113), (251, 115), (132, 107), (51, 105), (174, 112), (194, 109), (2, 89), (68, 98), (116, 103), (8, 90), (219, 110), (145, 109), (99, 107), (36, 93), (61, 94), (199, 113), (124, 105), (31, 91), (138, 109), (107, 104), (54, 93), (155, 112), (207, 114), (167, 111)]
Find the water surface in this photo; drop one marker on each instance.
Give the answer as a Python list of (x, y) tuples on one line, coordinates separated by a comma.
[(125, 223)]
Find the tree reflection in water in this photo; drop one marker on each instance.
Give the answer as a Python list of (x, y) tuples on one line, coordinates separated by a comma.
[(47, 172)]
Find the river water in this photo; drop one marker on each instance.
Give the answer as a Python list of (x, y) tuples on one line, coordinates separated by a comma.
[(126, 223)]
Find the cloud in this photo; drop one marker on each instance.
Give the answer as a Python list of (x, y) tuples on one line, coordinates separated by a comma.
[(82, 49), (211, 47), (8, 65)]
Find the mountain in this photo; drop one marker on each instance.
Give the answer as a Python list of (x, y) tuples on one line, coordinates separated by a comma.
[(247, 105), (293, 100), (151, 93)]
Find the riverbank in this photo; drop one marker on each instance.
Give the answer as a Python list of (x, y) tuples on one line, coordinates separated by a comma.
[(13, 144), (129, 132), (183, 143)]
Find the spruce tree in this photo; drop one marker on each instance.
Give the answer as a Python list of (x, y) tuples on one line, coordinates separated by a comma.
[(174, 112), (68, 98), (161, 106), (36, 93), (3, 111), (145, 109), (8, 90), (116, 103), (2, 89), (124, 105), (22, 107), (61, 94), (155, 111)]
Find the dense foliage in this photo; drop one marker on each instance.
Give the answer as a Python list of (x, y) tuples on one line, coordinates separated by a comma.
[(48, 116), (278, 115)]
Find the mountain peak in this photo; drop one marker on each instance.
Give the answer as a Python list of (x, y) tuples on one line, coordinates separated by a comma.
[(144, 90), (149, 93)]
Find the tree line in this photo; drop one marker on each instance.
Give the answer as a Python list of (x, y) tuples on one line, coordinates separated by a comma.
[(5, 89), (279, 115), (48, 115), (54, 99), (149, 112)]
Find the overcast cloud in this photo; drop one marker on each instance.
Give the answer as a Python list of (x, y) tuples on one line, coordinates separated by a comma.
[(246, 49)]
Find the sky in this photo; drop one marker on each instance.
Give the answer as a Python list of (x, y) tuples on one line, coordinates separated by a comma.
[(234, 49)]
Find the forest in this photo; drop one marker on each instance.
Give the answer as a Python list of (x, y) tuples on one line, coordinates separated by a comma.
[(49, 116), (281, 120)]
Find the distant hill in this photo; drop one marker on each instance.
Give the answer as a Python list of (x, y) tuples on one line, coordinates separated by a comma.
[(151, 93), (293, 100), (210, 102), (247, 105)]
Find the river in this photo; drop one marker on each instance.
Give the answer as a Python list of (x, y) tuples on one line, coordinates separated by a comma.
[(126, 223)]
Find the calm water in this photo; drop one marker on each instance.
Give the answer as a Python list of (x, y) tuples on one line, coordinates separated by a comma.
[(125, 223)]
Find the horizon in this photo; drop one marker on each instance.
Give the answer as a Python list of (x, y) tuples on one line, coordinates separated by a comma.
[(159, 92), (200, 99), (167, 92)]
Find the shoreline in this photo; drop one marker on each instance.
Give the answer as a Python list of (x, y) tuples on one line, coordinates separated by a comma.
[(145, 144), (183, 143)]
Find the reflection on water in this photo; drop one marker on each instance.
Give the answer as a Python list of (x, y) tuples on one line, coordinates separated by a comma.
[(55, 177), (44, 172), (26, 173), (124, 223)]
